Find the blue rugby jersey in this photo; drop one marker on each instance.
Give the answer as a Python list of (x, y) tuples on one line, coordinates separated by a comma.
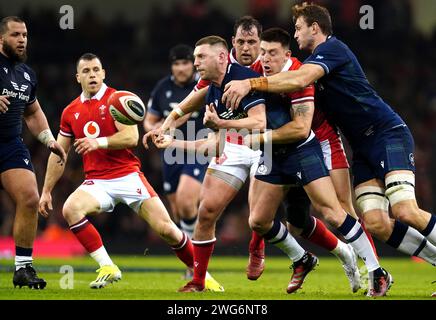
[(18, 82)]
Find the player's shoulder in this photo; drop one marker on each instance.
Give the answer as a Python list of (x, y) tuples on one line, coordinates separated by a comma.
[(332, 44), (163, 84), (238, 72)]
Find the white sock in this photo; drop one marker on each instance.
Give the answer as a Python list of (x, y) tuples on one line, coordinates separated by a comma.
[(287, 243), (188, 227), (430, 230), (101, 256), (353, 233), (22, 261)]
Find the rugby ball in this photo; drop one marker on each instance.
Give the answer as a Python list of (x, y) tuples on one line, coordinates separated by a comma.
[(126, 107)]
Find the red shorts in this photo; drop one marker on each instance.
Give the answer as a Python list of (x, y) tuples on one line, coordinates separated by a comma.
[(334, 154)]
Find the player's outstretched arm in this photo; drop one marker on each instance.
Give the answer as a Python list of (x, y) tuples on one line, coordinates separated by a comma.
[(289, 81), (126, 137), (38, 126), (255, 120), (54, 172), (296, 130), (208, 146), (194, 101)]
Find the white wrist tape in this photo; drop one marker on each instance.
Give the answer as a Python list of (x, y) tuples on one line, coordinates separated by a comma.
[(46, 137), (266, 137), (103, 142), (179, 112)]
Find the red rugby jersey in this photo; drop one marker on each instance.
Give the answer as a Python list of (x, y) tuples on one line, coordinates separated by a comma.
[(91, 118)]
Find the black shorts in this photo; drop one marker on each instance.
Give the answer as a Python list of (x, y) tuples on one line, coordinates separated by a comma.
[(14, 154)]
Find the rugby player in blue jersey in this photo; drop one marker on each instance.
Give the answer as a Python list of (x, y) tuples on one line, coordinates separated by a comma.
[(17, 101), (383, 147)]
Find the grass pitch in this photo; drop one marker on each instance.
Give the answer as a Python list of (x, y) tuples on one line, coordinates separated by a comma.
[(159, 277)]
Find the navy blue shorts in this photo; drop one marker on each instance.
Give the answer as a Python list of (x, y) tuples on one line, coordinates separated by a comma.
[(14, 154), (172, 173), (383, 152), (293, 166)]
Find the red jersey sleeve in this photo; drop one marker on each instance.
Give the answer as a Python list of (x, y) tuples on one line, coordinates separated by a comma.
[(65, 126), (201, 84)]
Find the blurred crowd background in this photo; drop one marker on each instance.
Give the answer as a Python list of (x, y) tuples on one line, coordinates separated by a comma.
[(133, 39)]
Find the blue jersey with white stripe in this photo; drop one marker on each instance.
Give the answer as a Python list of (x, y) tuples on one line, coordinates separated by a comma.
[(345, 94), (215, 93), (18, 82)]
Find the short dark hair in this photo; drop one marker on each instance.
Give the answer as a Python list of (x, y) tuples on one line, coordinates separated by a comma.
[(246, 23), (313, 13), (4, 23), (87, 57), (212, 40), (277, 35)]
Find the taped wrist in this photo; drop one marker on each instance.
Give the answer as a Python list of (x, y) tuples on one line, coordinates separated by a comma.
[(259, 84), (45, 137)]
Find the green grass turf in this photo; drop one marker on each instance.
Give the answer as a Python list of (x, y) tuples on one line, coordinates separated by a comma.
[(159, 277)]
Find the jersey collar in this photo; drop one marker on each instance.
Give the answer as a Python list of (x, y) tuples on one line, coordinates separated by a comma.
[(233, 58), (97, 96)]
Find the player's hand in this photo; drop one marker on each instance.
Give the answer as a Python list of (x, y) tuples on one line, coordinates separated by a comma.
[(4, 102), (152, 134), (163, 141), (45, 204), (85, 145), (234, 92), (211, 118), (56, 148)]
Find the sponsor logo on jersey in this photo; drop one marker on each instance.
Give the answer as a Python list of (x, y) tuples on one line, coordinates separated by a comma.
[(22, 88), (91, 129), (76, 115), (26, 161)]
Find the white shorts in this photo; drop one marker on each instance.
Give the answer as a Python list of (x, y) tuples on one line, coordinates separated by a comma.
[(334, 154), (132, 190), (237, 160)]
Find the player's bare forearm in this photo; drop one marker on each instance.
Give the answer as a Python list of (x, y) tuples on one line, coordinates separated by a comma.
[(297, 129), (256, 120), (35, 119), (193, 102), (126, 137), (289, 81), (207, 146), (55, 169)]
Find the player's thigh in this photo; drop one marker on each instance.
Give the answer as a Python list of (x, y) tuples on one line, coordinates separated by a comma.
[(217, 191), (21, 185), (266, 198), (82, 202)]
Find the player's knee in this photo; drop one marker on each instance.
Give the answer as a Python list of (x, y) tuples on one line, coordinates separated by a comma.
[(207, 214), (332, 216), (258, 224), (71, 211), (29, 200), (377, 225), (405, 212)]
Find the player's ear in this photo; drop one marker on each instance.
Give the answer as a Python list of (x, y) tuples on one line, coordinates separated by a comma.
[(233, 41), (77, 78), (288, 54), (103, 74)]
